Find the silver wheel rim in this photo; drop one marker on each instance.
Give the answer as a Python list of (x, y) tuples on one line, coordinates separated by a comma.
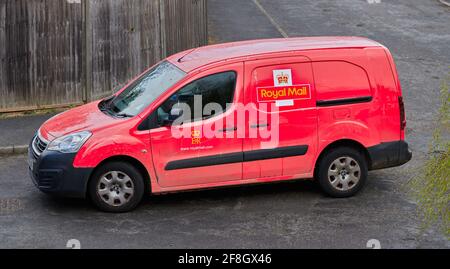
[(115, 188), (344, 173)]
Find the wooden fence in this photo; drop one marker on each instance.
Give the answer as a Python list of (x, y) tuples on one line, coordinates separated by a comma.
[(62, 52)]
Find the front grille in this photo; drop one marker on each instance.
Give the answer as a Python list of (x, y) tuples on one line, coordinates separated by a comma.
[(39, 145)]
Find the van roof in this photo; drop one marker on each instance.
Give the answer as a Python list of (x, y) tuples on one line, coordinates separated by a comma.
[(195, 58)]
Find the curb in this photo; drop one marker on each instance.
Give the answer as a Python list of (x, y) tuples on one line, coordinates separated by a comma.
[(445, 2), (10, 150)]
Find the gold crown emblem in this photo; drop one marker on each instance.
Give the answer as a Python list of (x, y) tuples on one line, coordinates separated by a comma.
[(283, 78)]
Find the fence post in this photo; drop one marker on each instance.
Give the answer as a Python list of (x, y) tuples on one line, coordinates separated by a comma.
[(87, 52), (162, 26), (205, 24)]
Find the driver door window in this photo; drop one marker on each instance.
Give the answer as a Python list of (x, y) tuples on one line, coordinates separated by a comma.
[(218, 88)]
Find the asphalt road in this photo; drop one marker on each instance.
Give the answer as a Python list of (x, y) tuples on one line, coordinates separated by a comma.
[(285, 215)]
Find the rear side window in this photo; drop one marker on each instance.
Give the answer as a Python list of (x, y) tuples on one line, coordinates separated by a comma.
[(340, 80)]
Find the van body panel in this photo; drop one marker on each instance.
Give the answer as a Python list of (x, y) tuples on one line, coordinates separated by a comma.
[(386, 95)]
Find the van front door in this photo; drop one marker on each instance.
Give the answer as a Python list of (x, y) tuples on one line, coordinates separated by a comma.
[(205, 149), (282, 93)]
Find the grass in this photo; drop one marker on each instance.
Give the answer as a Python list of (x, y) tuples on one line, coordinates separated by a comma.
[(431, 187)]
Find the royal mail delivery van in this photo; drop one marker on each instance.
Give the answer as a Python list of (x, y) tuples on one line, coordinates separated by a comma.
[(323, 108)]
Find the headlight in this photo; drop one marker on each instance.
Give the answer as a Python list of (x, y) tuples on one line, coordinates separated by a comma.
[(69, 143)]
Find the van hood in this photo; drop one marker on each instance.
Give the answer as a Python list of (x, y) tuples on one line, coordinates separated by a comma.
[(84, 118)]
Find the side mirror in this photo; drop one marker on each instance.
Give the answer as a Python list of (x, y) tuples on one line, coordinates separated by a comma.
[(175, 114)]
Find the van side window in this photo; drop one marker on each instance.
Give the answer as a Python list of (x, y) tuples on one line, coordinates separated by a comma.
[(340, 80), (218, 89)]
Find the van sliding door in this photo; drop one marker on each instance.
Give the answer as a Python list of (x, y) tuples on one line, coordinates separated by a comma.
[(282, 95)]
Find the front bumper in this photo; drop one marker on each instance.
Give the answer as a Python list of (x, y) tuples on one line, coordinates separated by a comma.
[(53, 173), (389, 154)]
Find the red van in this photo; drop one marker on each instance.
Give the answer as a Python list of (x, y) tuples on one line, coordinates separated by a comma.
[(324, 108)]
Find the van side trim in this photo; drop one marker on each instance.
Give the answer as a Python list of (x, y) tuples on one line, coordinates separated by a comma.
[(205, 161), (247, 156), (266, 154), (347, 101)]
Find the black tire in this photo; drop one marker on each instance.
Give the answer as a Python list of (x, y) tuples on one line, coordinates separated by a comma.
[(338, 179), (128, 179)]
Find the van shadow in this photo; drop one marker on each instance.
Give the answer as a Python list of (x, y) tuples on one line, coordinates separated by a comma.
[(248, 192), (295, 188)]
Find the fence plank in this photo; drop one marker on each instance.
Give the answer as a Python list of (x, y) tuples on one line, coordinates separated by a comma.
[(4, 93), (46, 44)]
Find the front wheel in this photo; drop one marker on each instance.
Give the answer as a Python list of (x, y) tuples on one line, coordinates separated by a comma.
[(116, 187), (342, 172)]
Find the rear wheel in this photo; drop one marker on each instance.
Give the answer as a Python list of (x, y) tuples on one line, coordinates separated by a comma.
[(116, 187), (342, 172)]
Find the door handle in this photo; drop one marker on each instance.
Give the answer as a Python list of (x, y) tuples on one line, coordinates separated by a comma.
[(261, 125), (226, 130)]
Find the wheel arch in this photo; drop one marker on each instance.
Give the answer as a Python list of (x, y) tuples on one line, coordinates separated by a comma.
[(344, 143), (127, 159)]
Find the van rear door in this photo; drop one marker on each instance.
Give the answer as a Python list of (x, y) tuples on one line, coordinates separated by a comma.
[(281, 93)]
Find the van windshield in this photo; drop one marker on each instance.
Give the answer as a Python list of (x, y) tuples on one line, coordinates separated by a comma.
[(139, 95)]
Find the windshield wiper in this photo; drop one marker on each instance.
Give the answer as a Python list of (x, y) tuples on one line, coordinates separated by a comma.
[(102, 106), (105, 106), (123, 115)]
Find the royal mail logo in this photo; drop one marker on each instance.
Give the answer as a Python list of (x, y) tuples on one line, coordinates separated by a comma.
[(273, 94), (282, 77), (196, 137)]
